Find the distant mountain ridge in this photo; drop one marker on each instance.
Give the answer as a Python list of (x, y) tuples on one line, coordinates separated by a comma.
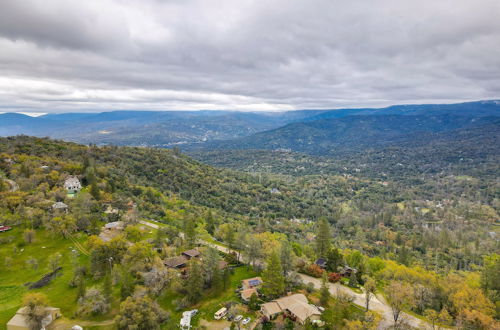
[(209, 129), (352, 133)]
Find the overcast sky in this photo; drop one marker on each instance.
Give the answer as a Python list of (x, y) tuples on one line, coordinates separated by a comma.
[(95, 55)]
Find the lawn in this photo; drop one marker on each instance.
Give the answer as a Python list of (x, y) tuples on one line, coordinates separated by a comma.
[(15, 273)]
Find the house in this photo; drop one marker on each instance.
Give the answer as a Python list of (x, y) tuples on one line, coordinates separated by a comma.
[(251, 283), (189, 254), (294, 306), (59, 206), (347, 271), (321, 262), (18, 322), (176, 262), (249, 287), (72, 185)]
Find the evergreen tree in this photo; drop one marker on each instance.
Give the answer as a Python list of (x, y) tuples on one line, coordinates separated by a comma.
[(353, 280), (217, 280), (324, 292), (286, 257), (94, 191), (127, 287), (323, 238), (107, 289), (226, 278), (334, 260), (210, 223), (253, 303), (274, 281), (189, 232), (194, 283)]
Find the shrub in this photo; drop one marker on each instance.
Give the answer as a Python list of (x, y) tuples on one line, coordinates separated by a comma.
[(334, 277), (314, 270)]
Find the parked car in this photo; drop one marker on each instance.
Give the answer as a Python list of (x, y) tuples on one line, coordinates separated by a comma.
[(246, 321), (220, 313), (238, 318), (4, 228)]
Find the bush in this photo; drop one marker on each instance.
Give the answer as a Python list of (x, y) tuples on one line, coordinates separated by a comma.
[(334, 277), (314, 270), (92, 303)]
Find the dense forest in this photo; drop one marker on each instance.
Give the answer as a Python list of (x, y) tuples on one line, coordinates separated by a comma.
[(432, 236)]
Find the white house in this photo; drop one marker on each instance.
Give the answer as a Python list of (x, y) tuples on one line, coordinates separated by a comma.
[(72, 185)]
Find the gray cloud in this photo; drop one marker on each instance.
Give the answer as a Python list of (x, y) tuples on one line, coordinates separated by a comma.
[(67, 55)]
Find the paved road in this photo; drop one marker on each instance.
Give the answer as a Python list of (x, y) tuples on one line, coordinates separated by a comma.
[(377, 304)]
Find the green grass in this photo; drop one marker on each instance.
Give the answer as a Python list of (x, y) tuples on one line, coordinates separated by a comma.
[(210, 303), (15, 273)]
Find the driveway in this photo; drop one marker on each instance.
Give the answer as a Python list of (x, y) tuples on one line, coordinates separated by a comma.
[(377, 304)]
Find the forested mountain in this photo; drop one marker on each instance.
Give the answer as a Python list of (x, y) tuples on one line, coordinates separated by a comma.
[(353, 133), (196, 129), (430, 235), (473, 151), (152, 128)]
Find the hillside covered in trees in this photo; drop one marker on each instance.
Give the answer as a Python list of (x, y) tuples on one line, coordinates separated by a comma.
[(433, 237)]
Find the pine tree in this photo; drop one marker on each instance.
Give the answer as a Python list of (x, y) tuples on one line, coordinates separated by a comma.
[(324, 292), (334, 260), (274, 281), (323, 238), (353, 280), (253, 303), (94, 191), (107, 290), (190, 232), (226, 278), (286, 257), (194, 283), (210, 223), (217, 281)]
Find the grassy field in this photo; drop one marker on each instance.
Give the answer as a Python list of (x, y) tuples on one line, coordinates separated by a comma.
[(16, 273)]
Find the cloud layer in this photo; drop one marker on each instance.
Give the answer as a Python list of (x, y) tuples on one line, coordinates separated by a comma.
[(67, 55)]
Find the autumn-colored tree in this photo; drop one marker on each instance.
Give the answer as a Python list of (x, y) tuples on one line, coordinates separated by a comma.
[(370, 287), (334, 277), (399, 296)]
